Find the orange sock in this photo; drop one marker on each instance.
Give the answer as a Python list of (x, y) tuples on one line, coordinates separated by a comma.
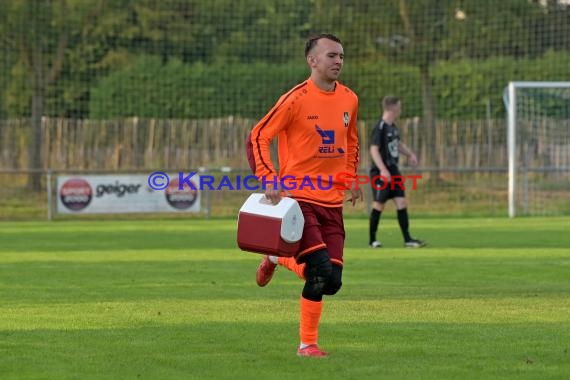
[(291, 264), (310, 317)]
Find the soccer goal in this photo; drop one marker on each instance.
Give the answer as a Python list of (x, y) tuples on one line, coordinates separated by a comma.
[(538, 148)]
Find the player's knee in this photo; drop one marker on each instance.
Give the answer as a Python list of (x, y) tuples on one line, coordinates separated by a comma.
[(314, 290), (335, 281), (318, 271), (401, 203)]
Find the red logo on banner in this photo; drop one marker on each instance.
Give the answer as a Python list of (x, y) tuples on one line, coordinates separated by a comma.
[(76, 194), (180, 199)]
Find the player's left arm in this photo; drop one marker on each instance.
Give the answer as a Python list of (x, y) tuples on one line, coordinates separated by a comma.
[(352, 144), (353, 153), (403, 148)]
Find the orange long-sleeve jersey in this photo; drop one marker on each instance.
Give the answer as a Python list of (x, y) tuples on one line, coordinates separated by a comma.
[(317, 143)]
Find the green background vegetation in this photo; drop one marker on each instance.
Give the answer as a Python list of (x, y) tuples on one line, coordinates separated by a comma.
[(464, 89), (201, 59)]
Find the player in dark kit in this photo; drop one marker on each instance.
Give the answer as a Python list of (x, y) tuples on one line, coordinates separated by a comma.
[(385, 149)]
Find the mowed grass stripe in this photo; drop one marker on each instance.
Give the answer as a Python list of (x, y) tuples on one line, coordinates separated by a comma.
[(489, 298), (130, 314)]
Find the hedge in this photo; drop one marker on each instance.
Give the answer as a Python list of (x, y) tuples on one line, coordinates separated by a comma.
[(464, 89)]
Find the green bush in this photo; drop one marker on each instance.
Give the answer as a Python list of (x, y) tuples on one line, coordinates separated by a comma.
[(176, 90), (464, 89)]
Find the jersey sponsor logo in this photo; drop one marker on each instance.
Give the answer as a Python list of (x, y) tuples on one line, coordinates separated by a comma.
[(327, 148), (327, 135), (346, 119), (313, 117), (393, 148)]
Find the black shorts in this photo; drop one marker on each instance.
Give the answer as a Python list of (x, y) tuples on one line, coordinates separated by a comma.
[(381, 191)]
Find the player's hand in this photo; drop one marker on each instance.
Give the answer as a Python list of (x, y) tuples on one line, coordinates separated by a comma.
[(386, 176), (274, 194), (413, 159), (355, 194)]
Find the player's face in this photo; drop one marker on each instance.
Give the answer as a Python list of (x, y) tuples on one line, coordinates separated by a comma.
[(397, 110), (327, 59)]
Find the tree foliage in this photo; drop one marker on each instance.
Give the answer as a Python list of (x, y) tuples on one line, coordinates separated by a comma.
[(67, 51)]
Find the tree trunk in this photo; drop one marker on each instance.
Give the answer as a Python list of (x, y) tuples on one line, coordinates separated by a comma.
[(35, 147), (428, 113), (428, 104)]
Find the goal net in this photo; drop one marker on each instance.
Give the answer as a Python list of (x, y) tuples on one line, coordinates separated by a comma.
[(539, 148)]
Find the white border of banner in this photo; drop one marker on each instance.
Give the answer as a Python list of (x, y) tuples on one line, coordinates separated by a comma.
[(124, 193)]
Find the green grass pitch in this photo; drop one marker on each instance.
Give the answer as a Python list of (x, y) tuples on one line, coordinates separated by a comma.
[(176, 299)]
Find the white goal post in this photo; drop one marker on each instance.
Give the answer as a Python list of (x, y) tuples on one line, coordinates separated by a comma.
[(538, 141)]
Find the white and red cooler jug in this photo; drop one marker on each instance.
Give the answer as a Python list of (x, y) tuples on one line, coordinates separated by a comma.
[(270, 229)]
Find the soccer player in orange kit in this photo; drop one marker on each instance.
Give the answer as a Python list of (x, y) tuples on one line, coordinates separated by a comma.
[(315, 123)]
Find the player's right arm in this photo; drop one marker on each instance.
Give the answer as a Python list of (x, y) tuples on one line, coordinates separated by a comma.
[(403, 148), (259, 142)]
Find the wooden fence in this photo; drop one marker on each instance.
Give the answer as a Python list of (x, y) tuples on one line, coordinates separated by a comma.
[(71, 144)]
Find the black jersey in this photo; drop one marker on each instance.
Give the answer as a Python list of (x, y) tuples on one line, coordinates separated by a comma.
[(387, 138)]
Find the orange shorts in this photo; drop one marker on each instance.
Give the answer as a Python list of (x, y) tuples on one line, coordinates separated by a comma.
[(324, 228)]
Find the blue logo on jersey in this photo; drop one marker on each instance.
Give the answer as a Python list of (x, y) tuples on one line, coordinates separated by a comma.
[(327, 149), (326, 135)]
